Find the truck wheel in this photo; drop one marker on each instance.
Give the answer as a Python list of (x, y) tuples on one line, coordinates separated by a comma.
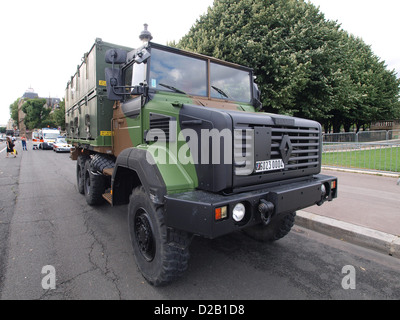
[(80, 170), (159, 262), (94, 186), (279, 227)]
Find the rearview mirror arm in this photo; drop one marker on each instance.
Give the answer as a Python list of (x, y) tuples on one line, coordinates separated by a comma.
[(137, 90)]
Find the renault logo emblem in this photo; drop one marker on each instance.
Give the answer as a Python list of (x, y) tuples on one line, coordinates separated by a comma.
[(286, 148)]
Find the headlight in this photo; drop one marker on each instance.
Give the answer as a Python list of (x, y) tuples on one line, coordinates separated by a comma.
[(323, 190), (238, 212)]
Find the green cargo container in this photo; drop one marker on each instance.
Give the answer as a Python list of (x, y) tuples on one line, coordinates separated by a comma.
[(88, 112)]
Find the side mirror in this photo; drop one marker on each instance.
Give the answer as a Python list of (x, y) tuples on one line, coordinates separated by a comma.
[(115, 56), (256, 97), (114, 81)]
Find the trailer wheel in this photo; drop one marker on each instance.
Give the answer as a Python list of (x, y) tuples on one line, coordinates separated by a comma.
[(159, 262), (279, 227), (80, 171), (94, 186)]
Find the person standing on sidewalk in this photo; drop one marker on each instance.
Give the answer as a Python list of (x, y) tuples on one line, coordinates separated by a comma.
[(23, 140)]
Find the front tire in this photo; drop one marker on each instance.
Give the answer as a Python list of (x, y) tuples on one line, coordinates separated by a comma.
[(279, 227), (159, 262)]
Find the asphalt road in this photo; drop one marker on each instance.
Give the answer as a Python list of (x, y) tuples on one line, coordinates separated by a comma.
[(45, 221)]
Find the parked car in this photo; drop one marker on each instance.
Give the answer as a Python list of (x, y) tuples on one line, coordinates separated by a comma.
[(61, 145)]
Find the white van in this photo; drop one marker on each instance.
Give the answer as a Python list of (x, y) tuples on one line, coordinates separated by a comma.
[(36, 139), (49, 136)]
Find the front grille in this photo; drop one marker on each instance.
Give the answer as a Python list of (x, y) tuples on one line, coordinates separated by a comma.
[(305, 146), (298, 147)]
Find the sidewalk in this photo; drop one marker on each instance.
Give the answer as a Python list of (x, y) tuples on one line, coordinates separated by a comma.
[(366, 212)]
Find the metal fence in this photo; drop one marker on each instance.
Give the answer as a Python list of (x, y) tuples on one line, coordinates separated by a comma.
[(363, 136), (371, 150)]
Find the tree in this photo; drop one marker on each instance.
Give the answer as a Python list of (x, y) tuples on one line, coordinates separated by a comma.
[(59, 116), (14, 111), (305, 65), (371, 91), (36, 115)]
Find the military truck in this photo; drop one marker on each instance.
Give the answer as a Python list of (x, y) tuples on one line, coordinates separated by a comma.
[(180, 139)]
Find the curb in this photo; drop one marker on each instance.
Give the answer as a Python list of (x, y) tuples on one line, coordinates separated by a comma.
[(372, 239), (364, 171)]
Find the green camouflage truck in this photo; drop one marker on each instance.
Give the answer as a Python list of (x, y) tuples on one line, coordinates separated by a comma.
[(179, 137)]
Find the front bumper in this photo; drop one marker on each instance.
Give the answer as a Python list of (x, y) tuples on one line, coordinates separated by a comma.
[(194, 211), (47, 145), (63, 149)]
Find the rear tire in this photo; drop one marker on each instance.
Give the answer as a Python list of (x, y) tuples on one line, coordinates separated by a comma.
[(279, 227), (80, 170), (94, 186), (158, 261)]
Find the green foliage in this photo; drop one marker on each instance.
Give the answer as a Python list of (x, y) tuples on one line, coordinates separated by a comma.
[(36, 115), (39, 116), (305, 65), (58, 116), (14, 110)]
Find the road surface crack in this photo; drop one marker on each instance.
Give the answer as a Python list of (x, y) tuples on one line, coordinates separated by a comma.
[(98, 258)]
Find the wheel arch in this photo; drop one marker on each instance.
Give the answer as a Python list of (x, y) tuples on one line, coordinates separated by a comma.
[(132, 169)]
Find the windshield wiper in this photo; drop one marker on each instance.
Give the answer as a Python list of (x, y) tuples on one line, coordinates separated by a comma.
[(222, 93), (172, 88)]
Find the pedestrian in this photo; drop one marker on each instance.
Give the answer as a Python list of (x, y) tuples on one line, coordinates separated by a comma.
[(23, 140), (10, 147)]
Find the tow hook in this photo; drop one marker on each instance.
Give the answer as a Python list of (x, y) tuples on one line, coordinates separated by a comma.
[(266, 210)]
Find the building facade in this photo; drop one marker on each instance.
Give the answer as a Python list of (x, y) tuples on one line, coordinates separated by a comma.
[(385, 125)]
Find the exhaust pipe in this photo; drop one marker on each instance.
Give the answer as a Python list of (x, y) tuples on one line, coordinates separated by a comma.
[(266, 210)]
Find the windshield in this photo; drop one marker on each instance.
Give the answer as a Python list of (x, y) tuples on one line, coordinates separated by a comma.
[(229, 83), (178, 73), (50, 135), (61, 140)]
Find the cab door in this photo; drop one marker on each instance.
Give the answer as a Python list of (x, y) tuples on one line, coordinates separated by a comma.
[(126, 123)]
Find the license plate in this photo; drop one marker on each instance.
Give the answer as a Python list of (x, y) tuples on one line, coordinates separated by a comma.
[(269, 165)]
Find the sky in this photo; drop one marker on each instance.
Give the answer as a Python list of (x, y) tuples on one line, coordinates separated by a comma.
[(43, 41)]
